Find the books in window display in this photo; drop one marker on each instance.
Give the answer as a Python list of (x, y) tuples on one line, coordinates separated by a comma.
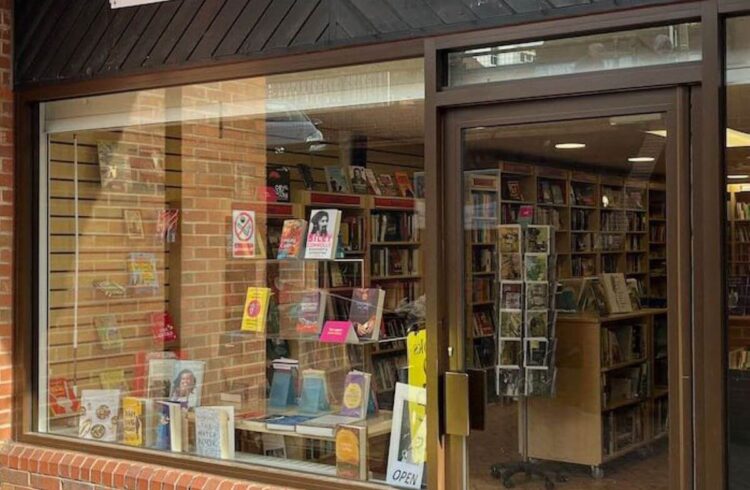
[(214, 432), (358, 179), (355, 403), (285, 375), (351, 452), (99, 414), (292, 240), (62, 397), (337, 180), (176, 380), (322, 234)]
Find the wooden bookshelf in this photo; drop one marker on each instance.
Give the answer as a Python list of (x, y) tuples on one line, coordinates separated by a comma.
[(576, 425)]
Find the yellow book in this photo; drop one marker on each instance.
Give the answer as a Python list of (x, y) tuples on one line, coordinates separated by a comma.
[(256, 309), (133, 420), (114, 379)]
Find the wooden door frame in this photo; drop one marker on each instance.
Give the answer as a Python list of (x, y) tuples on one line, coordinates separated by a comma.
[(674, 103)]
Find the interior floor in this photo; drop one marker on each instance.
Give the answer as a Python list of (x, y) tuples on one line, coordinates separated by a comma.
[(641, 470)]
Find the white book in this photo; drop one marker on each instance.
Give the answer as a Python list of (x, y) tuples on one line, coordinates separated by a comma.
[(214, 432), (323, 234), (100, 412)]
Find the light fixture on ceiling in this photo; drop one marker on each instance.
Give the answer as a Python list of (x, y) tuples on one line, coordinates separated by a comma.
[(738, 176), (570, 146), (735, 139), (641, 159), (118, 4)]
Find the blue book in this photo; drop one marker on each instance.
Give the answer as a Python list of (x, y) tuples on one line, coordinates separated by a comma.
[(283, 392), (286, 423), (314, 396), (168, 434)]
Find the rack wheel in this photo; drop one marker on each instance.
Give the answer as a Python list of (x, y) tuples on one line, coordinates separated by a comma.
[(597, 473)]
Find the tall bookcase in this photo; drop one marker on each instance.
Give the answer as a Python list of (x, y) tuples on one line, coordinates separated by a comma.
[(738, 233)]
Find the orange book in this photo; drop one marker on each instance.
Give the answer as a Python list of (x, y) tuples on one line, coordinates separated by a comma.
[(292, 241)]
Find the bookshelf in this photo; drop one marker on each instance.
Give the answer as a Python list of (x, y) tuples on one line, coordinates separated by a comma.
[(610, 400)]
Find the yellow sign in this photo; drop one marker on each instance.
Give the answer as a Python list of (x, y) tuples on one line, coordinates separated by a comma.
[(416, 344)]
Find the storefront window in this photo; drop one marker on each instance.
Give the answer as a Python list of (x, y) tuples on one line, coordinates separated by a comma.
[(234, 270), (737, 256), (650, 46)]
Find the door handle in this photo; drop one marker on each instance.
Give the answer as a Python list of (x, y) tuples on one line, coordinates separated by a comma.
[(465, 401)]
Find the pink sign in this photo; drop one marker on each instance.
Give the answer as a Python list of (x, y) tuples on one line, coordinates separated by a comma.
[(337, 332)]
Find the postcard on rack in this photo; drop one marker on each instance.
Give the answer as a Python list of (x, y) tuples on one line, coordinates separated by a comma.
[(511, 295), (509, 382), (511, 322), (510, 239), (539, 239), (511, 267), (537, 296), (511, 354), (537, 324), (536, 267)]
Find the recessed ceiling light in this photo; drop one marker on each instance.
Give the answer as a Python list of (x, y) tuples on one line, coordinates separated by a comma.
[(570, 146), (738, 176), (641, 159)]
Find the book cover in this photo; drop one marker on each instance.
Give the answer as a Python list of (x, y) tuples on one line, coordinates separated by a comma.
[(351, 452), (511, 295), (511, 267), (372, 182), (214, 432), (616, 293), (133, 421), (187, 382), (356, 395), (311, 312), (162, 327), (366, 312), (114, 379), (109, 332), (514, 191), (403, 181), (322, 234), (168, 426), (292, 241), (141, 371), (286, 423), (142, 271), (256, 309), (99, 413), (511, 322), (277, 184), (62, 397), (510, 239), (537, 323), (387, 185), (419, 185), (314, 393), (283, 392), (336, 180), (536, 267), (537, 296), (358, 179), (246, 242), (538, 239), (114, 166), (307, 176)]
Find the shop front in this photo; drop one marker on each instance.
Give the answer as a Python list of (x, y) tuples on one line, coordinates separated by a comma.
[(453, 261)]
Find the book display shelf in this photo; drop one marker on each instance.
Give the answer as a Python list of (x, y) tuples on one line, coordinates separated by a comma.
[(612, 394)]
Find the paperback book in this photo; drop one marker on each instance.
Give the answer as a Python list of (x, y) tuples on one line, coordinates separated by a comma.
[(171, 426), (311, 310), (62, 397), (351, 452), (372, 182), (366, 312), (99, 415), (322, 234), (277, 184), (337, 180), (537, 323), (214, 432), (114, 379), (135, 420), (314, 394), (358, 179), (403, 181), (387, 185), (292, 241), (255, 311)]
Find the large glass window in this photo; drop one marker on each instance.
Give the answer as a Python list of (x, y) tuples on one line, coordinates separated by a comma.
[(234, 270), (737, 156), (650, 46)]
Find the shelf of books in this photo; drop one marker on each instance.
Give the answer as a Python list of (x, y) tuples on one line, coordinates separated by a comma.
[(612, 384)]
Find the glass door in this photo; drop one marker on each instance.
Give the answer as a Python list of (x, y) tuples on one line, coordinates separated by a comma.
[(571, 295)]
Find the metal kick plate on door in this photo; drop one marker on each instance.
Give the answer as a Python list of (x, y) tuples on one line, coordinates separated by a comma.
[(456, 403)]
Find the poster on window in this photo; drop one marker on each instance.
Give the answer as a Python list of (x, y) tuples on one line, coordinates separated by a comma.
[(406, 455), (243, 234)]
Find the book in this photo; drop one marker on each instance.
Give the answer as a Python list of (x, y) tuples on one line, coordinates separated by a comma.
[(511, 322), (351, 452), (187, 382), (99, 415), (108, 332), (510, 239), (356, 395), (536, 267), (419, 185), (314, 393), (511, 294), (307, 176), (285, 423), (358, 179), (135, 421), (62, 397), (537, 296), (214, 432), (277, 184), (372, 182), (114, 166), (162, 327), (514, 191), (336, 180), (255, 311), (403, 181), (114, 379), (141, 371), (292, 240), (616, 293), (142, 272), (322, 234), (310, 312), (366, 312), (283, 392), (170, 426), (538, 239), (387, 185)]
